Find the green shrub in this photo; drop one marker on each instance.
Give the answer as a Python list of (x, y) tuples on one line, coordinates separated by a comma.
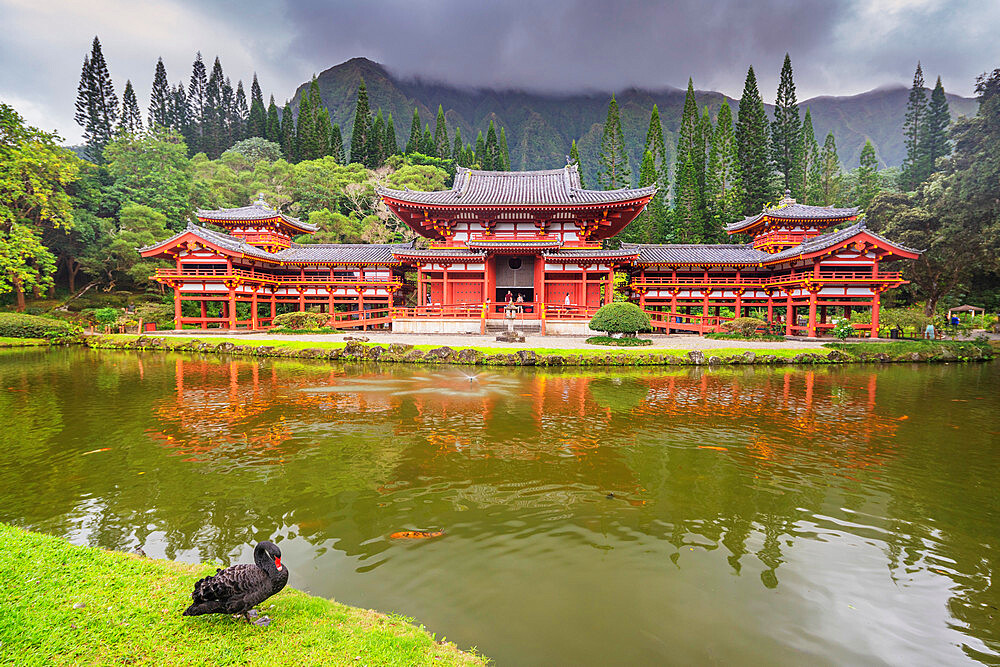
[(301, 320), (18, 325), (620, 317), (745, 326), (843, 329), (158, 313), (620, 342), (106, 316)]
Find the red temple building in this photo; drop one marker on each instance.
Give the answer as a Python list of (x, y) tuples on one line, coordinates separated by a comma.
[(535, 239)]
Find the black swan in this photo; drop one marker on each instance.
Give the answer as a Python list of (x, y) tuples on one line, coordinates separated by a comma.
[(238, 589)]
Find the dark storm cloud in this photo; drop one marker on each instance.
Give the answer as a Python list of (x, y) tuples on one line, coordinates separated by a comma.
[(837, 47)]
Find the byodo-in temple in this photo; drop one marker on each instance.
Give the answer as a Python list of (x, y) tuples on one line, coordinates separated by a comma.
[(534, 239)]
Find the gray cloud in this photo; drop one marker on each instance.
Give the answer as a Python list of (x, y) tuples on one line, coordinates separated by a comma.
[(837, 47)]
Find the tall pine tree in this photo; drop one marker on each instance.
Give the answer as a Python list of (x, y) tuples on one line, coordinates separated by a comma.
[(96, 103), (131, 121), (687, 223), (159, 98), (786, 132), (288, 133), (688, 136), (868, 185), (934, 133), (376, 143), (504, 152), (391, 145), (723, 189), (242, 116), (643, 228), (752, 148), (613, 172), (493, 159), (442, 146), (337, 144), (456, 150), (427, 142), (257, 120), (829, 172), (916, 108), (361, 134), (212, 130), (413, 143), (179, 114), (808, 176), (197, 96), (272, 125), (481, 150), (574, 158)]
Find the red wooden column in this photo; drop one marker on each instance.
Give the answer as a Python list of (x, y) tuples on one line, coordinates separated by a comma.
[(232, 305), (812, 314), (273, 305), (253, 309), (491, 278), (204, 314), (876, 299), (789, 313), (539, 282), (177, 306), (444, 285), (770, 307)]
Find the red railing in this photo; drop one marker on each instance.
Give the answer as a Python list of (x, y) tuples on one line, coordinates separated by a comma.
[(826, 276), (198, 273), (452, 310), (360, 318), (773, 238), (263, 238)]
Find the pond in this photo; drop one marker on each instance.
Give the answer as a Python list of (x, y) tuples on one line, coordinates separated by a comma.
[(745, 515)]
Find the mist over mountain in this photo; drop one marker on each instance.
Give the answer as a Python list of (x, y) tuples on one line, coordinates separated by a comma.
[(540, 127)]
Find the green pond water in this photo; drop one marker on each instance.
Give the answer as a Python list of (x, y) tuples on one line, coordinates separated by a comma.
[(844, 515)]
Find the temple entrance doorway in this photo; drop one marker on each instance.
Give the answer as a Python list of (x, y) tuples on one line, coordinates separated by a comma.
[(516, 277)]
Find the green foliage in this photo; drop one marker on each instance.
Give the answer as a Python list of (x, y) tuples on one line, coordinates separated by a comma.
[(20, 325), (362, 127), (619, 342), (152, 170), (256, 149), (916, 108), (752, 147), (160, 314), (843, 329), (131, 119), (868, 184), (934, 132), (96, 103), (745, 326), (786, 130), (106, 316), (442, 146), (613, 172), (621, 317), (301, 320), (723, 187), (829, 172), (574, 158), (257, 121), (160, 97), (413, 143)]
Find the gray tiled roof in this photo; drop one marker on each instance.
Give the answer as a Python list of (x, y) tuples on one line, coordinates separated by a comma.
[(570, 253), (552, 186), (435, 253), (259, 210), (833, 238), (721, 253), (794, 212)]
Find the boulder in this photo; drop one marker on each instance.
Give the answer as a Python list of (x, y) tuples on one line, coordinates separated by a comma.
[(440, 354), (510, 337), (354, 350), (374, 352), (400, 348), (360, 339), (696, 357), (554, 360), (470, 356), (225, 347), (714, 360), (413, 356), (749, 357), (527, 357)]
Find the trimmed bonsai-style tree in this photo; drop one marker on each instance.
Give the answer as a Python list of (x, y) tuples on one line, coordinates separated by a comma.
[(745, 326), (621, 318), (301, 320)]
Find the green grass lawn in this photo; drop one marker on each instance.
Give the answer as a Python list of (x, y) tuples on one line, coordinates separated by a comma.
[(67, 605), (6, 341)]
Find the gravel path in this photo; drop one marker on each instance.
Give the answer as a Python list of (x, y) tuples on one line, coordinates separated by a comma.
[(674, 341)]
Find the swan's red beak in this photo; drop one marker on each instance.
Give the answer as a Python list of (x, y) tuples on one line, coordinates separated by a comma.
[(277, 562)]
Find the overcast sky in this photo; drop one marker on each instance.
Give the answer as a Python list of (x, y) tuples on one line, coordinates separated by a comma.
[(838, 47)]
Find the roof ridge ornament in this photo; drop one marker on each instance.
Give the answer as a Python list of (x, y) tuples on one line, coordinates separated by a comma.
[(260, 201)]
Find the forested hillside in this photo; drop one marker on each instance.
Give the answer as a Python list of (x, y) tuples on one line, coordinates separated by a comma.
[(541, 127)]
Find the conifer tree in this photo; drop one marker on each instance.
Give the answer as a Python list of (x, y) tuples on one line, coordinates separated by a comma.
[(131, 121), (456, 151), (427, 142), (361, 133), (614, 171), (442, 146), (376, 144), (242, 114), (197, 96), (159, 98), (702, 148), (808, 176), (96, 103), (313, 128), (257, 119), (413, 143), (655, 145), (468, 156), (723, 190), (688, 135), (288, 133), (304, 129), (480, 150), (868, 185), (687, 224), (574, 158), (916, 108), (391, 147), (212, 131), (829, 171), (643, 228), (934, 133), (180, 114), (492, 159), (504, 152), (337, 144), (322, 129), (786, 132), (272, 125), (229, 119), (752, 148)]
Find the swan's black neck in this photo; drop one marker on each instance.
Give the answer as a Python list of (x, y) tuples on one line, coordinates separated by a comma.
[(264, 560)]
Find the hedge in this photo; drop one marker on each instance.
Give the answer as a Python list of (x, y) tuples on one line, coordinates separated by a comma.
[(301, 320), (19, 325)]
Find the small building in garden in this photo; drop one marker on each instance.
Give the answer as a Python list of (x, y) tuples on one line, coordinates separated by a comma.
[(533, 245)]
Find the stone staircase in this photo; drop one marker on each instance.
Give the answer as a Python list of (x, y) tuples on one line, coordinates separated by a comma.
[(524, 326)]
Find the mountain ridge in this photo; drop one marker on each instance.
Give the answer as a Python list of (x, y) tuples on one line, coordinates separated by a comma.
[(540, 126)]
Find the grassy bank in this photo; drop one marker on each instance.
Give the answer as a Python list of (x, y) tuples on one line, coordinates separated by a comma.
[(63, 604), (908, 351), (7, 341)]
